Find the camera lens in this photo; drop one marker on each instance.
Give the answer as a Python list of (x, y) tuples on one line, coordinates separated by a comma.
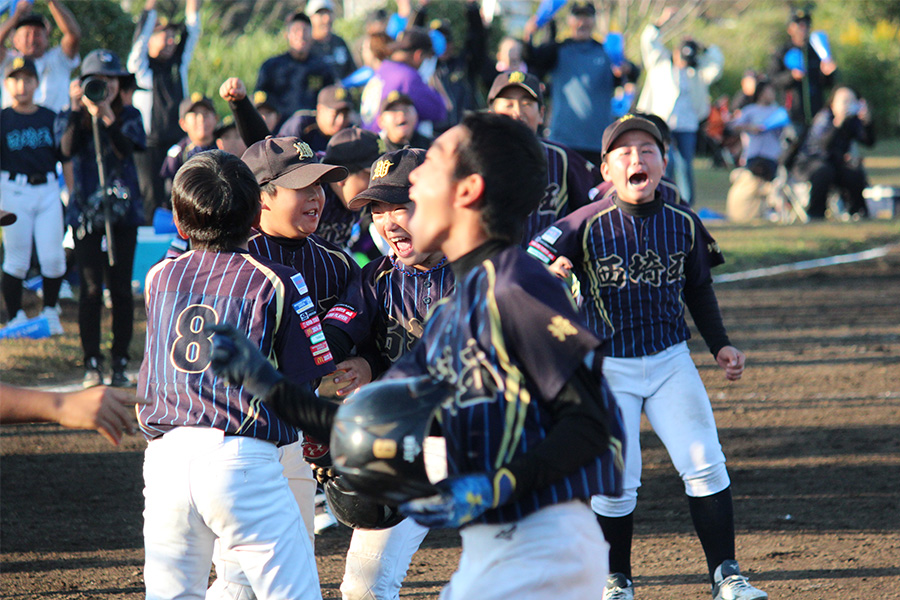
[(94, 89)]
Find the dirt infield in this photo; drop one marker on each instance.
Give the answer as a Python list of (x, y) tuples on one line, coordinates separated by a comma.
[(812, 434)]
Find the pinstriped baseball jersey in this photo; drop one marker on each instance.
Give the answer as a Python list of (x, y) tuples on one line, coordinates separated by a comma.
[(336, 224), (509, 339), (327, 270), (569, 179), (388, 310), (633, 262), (257, 297)]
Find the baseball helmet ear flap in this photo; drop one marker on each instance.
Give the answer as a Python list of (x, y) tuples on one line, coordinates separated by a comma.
[(378, 436), (357, 511)]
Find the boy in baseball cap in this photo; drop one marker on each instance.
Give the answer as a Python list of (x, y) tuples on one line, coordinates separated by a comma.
[(397, 121), (334, 112), (647, 258)]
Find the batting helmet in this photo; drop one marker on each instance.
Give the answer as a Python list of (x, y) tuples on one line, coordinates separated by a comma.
[(377, 438), (357, 511)]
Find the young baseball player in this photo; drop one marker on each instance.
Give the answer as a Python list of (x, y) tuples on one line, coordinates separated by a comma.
[(569, 176), (211, 469), (387, 315), (531, 430), (197, 118), (397, 122), (29, 150), (640, 259)]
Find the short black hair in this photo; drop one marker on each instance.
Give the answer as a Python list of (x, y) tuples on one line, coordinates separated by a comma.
[(215, 198), (512, 162), (297, 16), (761, 85)]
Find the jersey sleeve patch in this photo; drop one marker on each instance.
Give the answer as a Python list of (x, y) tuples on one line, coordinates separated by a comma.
[(341, 313), (541, 252), (552, 234)]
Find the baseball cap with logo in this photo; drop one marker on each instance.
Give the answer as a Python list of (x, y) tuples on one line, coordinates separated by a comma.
[(389, 181), (289, 162), (354, 148), (394, 99), (507, 79), (193, 101), (20, 65), (223, 126), (102, 62), (33, 19), (630, 123), (801, 15), (334, 96)]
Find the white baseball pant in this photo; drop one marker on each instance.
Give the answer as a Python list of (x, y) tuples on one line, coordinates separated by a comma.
[(40, 220)]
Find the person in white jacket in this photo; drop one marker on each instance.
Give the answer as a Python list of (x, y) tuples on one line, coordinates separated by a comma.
[(677, 90), (159, 58)]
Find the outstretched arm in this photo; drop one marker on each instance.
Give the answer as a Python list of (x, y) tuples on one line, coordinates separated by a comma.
[(106, 410), (66, 22), (22, 8)]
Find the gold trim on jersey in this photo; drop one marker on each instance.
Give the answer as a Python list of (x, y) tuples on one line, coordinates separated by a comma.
[(516, 395)]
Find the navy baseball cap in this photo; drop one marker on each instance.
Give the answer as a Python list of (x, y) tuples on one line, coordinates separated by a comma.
[(289, 162), (629, 123), (583, 9), (102, 62), (801, 15), (34, 19), (389, 181), (519, 79), (20, 64), (335, 97), (394, 99), (354, 148), (226, 124), (193, 101)]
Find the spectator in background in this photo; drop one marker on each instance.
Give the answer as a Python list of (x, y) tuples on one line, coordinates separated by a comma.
[(328, 45), (677, 89), (398, 121), (583, 82), (197, 119), (267, 110), (121, 134), (29, 150), (400, 73), (803, 89), (228, 139), (746, 93), (759, 160), (292, 80), (31, 39), (334, 111), (160, 55), (827, 159)]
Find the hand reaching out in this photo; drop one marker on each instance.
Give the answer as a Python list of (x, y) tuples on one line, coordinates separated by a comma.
[(732, 361)]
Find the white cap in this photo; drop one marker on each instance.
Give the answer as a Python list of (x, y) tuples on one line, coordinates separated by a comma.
[(314, 6)]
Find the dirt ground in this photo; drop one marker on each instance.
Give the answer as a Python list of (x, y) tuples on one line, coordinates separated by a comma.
[(812, 435)]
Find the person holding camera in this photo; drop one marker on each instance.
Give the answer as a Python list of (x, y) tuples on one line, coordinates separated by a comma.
[(677, 89), (113, 210), (827, 159)]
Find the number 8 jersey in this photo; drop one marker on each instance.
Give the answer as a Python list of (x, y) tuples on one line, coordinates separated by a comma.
[(267, 301)]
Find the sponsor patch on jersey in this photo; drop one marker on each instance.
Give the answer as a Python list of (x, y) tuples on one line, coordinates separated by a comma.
[(323, 358), (317, 338), (539, 252), (303, 305), (300, 284), (316, 327), (320, 348), (551, 235), (174, 151), (343, 314), (309, 323)]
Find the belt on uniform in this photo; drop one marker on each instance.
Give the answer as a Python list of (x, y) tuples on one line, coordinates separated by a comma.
[(33, 178)]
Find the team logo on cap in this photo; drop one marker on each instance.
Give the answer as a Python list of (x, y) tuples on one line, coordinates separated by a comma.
[(259, 97), (303, 150), (626, 118), (18, 63), (393, 96), (516, 77), (105, 57), (340, 94), (196, 97), (382, 168)]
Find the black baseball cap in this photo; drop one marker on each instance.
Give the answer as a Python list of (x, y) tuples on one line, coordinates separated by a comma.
[(289, 162), (354, 148), (102, 62), (20, 64), (226, 124), (395, 98), (583, 9), (35, 19), (193, 101), (519, 79), (801, 15), (389, 181), (412, 39), (629, 123), (334, 96)]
